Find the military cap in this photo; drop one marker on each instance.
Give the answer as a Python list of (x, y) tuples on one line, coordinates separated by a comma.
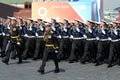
[(39, 19), (13, 18), (8, 17)]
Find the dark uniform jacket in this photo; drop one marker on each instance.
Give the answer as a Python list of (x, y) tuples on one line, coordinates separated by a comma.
[(50, 39), (14, 33)]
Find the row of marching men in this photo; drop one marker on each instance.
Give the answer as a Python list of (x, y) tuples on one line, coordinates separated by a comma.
[(84, 42)]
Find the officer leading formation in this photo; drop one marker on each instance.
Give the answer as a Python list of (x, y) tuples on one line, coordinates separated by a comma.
[(75, 41)]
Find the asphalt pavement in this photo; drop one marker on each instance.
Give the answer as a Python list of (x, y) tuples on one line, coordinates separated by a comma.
[(74, 71)]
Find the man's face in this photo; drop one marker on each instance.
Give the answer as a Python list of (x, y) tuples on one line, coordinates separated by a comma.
[(114, 25), (19, 21), (76, 23), (52, 21), (64, 22), (39, 22), (28, 21), (47, 28), (13, 22), (36, 23), (8, 20), (88, 24), (102, 24)]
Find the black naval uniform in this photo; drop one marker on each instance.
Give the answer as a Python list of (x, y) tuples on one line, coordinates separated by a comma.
[(77, 43), (114, 50), (1, 37), (64, 43), (6, 38), (102, 46), (14, 43), (90, 45), (30, 41), (39, 42), (50, 45)]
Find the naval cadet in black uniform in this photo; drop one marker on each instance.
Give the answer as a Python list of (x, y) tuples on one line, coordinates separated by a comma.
[(6, 35), (103, 44), (50, 45), (1, 37), (77, 41), (40, 29), (14, 42), (90, 43), (64, 41), (29, 31), (114, 34)]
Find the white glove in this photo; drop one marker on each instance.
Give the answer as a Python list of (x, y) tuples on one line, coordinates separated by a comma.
[(53, 28), (89, 30), (59, 36), (103, 31), (71, 36), (109, 38), (36, 34), (65, 30), (77, 29), (41, 28), (3, 34), (8, 27), (20, 28), (115, 32), (25, 35), (30, 28), (84, 36), (97, 38)]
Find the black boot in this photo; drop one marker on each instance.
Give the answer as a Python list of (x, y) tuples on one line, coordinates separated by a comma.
[(5, 61), (24, 57), (109, 65), (41, 71), (19, 62), (57, 70), (2, 55), (97, 64), (83, 61), (71, 61), (35, 59)]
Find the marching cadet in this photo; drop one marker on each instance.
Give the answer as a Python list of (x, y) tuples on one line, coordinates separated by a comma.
[(14, 42), (40, 29), (1, 37), (6, 35), (64, 41), (103, 44), (50, 45), (114, 50), (21, 27), (29, 31), (55, 28), (35, 22), (76, 34), (90, 43), (20, 23), (24, 23)]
